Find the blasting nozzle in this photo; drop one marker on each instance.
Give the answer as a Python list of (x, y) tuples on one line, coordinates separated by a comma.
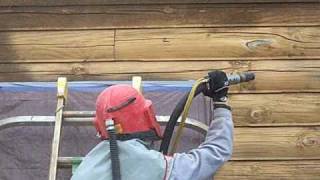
[(237, 78)]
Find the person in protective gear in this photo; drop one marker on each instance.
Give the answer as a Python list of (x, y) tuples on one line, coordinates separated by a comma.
[(135, 123)]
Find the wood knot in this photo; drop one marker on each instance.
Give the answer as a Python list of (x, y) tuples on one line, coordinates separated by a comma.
[(168, 10), (65, 11), (78, 69), (255, 169), (252, 45), (260, 114), (240, 64), (247, 86), (165, 40), (307, 140)]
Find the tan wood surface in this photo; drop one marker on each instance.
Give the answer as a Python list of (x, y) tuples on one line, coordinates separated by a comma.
[(271, 76), (273, 143), (51, 45), (146, 16), (266, 170), (273, 109), (276, 143), (110, 2), (218, 43), (162, 44)]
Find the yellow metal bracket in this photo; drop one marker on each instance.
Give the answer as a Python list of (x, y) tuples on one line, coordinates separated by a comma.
[(62, 87), (137, 83)]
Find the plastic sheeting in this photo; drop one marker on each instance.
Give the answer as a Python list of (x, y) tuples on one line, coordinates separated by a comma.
[(25, 151)]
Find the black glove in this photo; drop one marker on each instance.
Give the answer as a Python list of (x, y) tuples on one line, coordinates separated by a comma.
[(217, 87)]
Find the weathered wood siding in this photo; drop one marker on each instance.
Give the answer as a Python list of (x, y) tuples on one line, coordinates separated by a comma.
[(277, 117)]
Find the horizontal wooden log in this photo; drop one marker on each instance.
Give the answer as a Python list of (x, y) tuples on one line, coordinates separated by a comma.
[(273, 143), (218, 43), (115, 2), (151, 16), (263, 170), (271, 76), (275, 109), (161, 44), (51, 45), (276, 143)]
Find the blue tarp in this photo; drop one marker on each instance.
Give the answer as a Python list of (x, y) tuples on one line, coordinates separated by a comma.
[(25, 151), (93, 86)]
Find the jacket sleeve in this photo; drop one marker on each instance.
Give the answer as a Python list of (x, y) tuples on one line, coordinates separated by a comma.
[(202, 163)]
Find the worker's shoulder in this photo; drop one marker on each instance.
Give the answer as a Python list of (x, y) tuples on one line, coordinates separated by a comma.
[(137, 146), (133, 146)]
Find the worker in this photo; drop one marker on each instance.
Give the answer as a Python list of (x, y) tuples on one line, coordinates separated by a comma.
[(135, 122)]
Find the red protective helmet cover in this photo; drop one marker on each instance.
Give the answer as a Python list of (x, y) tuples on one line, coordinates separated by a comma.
[(128, 108)]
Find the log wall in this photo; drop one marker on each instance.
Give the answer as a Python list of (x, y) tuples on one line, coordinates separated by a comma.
[(277, 132)]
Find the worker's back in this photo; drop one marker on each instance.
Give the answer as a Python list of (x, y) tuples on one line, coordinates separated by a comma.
[(137, 162)]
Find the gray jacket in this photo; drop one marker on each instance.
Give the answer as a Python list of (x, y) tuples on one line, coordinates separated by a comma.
[(202, 163), (137, 162)]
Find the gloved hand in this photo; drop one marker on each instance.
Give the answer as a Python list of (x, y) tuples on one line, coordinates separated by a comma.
[(217, 87)]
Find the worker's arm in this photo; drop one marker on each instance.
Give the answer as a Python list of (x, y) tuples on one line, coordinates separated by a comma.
[(202, 163)]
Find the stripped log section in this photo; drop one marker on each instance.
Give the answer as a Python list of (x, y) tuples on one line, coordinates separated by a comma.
[(273, 143), (163, 44), (147, 16), (218, 43), (274, 109)]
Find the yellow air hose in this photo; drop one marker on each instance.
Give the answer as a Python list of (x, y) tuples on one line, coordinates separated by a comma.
[(185, 113)]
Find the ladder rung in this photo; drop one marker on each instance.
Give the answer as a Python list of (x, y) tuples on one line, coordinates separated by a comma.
[(67, 162), (79, 113)]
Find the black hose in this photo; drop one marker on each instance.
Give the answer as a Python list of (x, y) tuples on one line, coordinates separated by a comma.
[(168, 132), (115, 162)]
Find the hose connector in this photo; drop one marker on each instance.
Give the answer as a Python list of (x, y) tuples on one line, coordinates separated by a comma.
[(115, 162), (110, 124)]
